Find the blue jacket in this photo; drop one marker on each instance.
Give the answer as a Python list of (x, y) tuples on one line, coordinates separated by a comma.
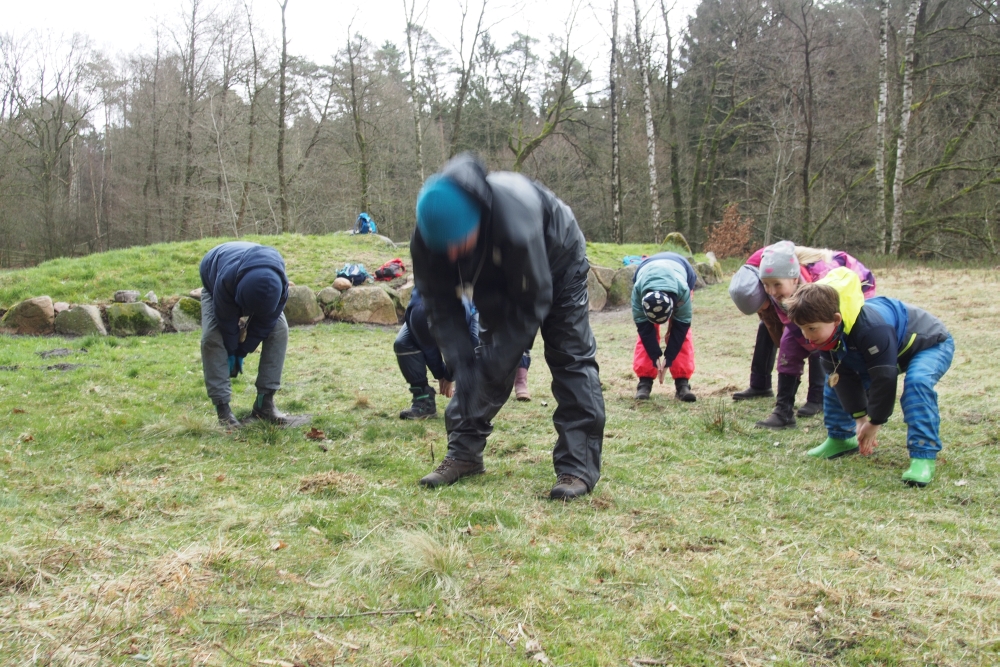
[(222, 270), (416, 321)]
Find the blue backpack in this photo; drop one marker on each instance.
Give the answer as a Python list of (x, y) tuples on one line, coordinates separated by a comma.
[(633, 260), (356, 273), (365, 225)]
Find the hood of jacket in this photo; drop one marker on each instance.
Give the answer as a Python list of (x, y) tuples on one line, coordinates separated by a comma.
[(470, 174), (848, 286)]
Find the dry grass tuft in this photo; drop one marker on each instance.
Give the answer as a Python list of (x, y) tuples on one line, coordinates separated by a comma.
[(427, 559), (332, 482)]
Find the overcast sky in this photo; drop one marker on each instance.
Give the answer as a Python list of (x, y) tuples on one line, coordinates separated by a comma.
[(317, 28)]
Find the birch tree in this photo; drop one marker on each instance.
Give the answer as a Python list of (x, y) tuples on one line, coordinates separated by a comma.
[(906, 112), (643, 53)]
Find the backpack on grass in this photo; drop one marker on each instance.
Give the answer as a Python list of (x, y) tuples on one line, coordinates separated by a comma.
[(356, 273), (394, 268)]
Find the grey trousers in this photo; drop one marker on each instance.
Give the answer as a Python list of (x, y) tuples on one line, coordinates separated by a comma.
[(570, 352), (215, 359)]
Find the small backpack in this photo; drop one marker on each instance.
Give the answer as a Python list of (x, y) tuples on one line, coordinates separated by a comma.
[(632, 260), (356, 273), (365, 225), (394, 268)]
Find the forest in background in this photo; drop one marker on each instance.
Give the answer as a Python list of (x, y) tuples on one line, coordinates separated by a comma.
[(865, 125)]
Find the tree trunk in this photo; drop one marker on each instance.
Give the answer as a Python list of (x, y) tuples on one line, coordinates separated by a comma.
[(883, 105), (906, 111), (282, 110), (617, 234), (465, 77), (189, 166), (411, 51), (654, 194), (359, 134), (675, 169)]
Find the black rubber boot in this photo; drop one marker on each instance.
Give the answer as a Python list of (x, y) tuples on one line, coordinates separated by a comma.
[(683, 389), (226, 416), (263, 408), (644, 389), (423, 406), (751, 392), (784, 408), (814, 399)]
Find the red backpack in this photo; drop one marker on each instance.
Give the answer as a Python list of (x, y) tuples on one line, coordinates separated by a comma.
[(394, 268)]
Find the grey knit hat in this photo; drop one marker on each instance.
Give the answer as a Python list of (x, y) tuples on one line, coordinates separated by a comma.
[(779, 261), (746, 291)]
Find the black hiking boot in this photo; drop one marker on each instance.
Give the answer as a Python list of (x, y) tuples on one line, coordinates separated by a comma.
[(568, 487), (752, 392), (450, 471), (683, 389), (810, 409), (814, 398), (226, 416), (784, 408), (423, 406), (263, 409), (644, 389)]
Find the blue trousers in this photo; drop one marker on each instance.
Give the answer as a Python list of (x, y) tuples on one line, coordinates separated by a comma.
[(919, 402)]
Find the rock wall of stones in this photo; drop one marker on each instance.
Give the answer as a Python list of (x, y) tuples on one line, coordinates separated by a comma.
[(382, 303)]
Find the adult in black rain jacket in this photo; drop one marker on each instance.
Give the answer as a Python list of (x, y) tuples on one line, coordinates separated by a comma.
[(243, 280), (513, 248)]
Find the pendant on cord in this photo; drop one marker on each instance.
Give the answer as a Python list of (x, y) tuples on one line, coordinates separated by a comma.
[(833, 379), (463, 290)]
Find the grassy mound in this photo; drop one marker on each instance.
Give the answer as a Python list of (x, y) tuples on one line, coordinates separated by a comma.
[(172, 268)]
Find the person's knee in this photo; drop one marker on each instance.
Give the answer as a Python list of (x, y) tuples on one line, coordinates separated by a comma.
[(919, 386)]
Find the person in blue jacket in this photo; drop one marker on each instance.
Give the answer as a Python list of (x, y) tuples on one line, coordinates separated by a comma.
[(242, 306), (417, 352), (864, 347)]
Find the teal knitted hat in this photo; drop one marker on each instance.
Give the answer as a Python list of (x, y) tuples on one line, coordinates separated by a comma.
[(446, 213)]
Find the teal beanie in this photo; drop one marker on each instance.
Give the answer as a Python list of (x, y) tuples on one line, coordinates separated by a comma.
[(446, 213)]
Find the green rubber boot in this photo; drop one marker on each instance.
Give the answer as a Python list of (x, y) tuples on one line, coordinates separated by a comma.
[(832, 448), (921, 472)]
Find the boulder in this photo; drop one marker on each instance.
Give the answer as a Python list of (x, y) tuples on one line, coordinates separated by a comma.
[(31, 317), (597, 296), (80, 321), (620, 293), (342, 284), (368, 304), (195, 293), (150, 297), (302, 307), (604, 275), (126, 296), (396, 301), (405, 293), (134, 319), (186, 314), (328, 298), (711, 274), (59, 306), (677, 240)]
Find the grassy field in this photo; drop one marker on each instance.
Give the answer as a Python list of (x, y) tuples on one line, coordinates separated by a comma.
[(134, 531)]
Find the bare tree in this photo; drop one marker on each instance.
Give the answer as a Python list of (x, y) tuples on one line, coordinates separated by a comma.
[(906, 111), (642, 48), (883, 105), (616, 176), (466, 66), (414, 32), (282, 111), (675, 169)]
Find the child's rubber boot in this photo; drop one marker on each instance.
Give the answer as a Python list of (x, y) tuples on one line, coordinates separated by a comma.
[(753, 392), (644, 389), (921, 472), (814, 399), (521, 392), (683, 391), (833, 447), (784, 407)]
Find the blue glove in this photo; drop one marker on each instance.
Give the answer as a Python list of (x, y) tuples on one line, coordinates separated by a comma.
[(235, 365)]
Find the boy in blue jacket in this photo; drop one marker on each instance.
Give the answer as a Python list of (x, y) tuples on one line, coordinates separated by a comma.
[(417, 352), (864, 346), (243, 280)]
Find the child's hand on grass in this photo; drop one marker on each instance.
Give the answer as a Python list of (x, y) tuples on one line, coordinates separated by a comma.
[(867, 432), (661, 368)]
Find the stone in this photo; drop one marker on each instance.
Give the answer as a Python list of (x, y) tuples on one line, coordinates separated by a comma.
[(195, 293), (368, 304), (597, 296), (620, 293), (126, 296), (134, 319), (328, 298), (302, 306), (31, 317), (150, 297), (711, 274), (676, 240), (604, 275), (59, 306), (405, 293), (81, 321), (342, 284), (186, 314), (394, 295)]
